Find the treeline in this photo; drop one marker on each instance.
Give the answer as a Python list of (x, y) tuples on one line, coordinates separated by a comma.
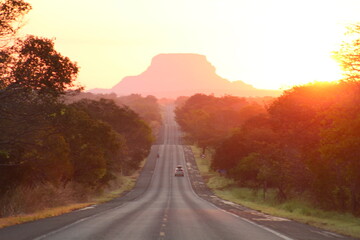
[(147, 107), (45, 142), (87, 142), (306, 143), (301, 147), (206, 120)]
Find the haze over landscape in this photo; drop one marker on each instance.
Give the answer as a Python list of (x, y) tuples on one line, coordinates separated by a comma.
[(180, 119), (268, 44), (174, 75)]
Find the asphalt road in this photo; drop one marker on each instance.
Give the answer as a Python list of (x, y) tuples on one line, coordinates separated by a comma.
[(162, 206)]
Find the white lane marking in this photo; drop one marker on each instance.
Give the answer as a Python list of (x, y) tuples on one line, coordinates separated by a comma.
[(95, 215), (61, 229), (328, 234), (258, 225), (271, 219), (244, 219), (77, 222), (333, 234), (86, 208), (266, 217), (228, 202)]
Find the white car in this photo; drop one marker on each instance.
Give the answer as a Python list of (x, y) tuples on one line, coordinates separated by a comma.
[(179, 171)]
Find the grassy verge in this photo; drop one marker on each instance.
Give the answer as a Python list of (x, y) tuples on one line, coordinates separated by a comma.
[(9, 221), (127, 184), (123, 184), (296, 209)]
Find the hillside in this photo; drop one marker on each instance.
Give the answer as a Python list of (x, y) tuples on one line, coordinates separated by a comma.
[(184, 74)]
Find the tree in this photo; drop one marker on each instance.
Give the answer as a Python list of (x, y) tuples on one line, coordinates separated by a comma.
[(34, 64), (33, 77), (349, 54), (297, 116), (340, 148), (96, 150), (147, 107), (48, 160), (253, 157), (207, 119), (230, 151), (10, 13), (136, 132)]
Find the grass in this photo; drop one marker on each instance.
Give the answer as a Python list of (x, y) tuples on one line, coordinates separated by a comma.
[(9, 221), (123, 184), (296, 209), (127, 184), (203, 163)]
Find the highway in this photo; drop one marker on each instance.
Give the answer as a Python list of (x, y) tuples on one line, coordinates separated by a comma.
[(161, 206)]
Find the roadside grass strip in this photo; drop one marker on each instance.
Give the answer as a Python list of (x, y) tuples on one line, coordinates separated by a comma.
[(51, 212), (127, 183), (296, 209)]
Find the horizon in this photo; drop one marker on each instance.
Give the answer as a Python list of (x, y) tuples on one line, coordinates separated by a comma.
[(182, 74), (267, 44)]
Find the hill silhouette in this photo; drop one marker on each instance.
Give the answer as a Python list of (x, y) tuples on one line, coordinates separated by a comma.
[(182, 74)]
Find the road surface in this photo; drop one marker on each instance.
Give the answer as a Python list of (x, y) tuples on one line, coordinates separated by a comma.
[(162, 206)]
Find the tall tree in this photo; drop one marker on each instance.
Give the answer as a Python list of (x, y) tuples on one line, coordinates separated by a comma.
[(96, 150), (33, 77), (207, 119), (349, 54), (34, 64), (340, 148), (137, 133), (10, 13)]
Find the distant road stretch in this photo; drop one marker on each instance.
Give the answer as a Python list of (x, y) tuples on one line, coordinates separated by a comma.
[(161, 206)]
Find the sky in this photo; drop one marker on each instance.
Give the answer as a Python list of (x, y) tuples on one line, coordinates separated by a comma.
[(270, 44)]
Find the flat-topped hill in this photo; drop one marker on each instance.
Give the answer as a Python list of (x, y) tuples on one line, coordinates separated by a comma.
[(182, 74)]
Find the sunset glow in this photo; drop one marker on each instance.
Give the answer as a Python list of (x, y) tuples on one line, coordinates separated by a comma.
[(266, 43)]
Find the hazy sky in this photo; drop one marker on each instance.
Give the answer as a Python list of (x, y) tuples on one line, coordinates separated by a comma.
[(267, 43)]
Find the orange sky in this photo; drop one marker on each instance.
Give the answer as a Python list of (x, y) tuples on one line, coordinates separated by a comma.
[(267, 43)]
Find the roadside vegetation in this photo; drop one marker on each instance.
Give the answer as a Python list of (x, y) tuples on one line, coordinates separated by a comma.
[(25, 197), (299, 209), (55, 152), (305, 143), (148, 108), (297, 155)]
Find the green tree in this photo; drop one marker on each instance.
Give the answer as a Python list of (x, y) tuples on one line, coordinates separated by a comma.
[(297, 117), (207, 119), (34, 76), (97, 152), (34, 64), (147, 107), (340, 148), (48, 160), (136, 132)]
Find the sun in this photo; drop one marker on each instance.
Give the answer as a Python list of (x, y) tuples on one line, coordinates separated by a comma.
[(268, 44), (284, 46)]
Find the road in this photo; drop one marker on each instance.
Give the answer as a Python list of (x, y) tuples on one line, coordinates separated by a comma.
[(160, 206)]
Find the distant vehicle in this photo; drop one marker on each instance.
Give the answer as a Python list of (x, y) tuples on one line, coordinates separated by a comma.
[(179, 171), (179, 167)]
